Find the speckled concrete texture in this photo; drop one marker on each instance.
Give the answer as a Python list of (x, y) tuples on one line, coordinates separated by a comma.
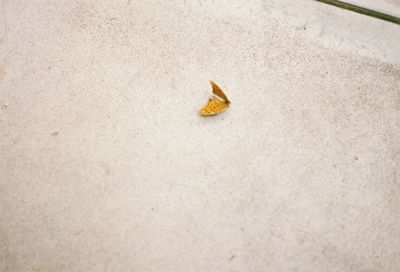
[(106, 166)]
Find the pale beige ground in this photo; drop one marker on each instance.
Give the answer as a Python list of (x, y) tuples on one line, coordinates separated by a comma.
[(106, 166)]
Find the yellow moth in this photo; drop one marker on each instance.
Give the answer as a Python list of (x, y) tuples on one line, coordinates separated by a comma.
[(217, 104)]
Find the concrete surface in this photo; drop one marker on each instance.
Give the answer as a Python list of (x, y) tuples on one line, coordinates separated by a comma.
[(106, 166)]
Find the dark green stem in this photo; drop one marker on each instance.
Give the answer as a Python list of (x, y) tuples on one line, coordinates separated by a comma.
[(365, 11)]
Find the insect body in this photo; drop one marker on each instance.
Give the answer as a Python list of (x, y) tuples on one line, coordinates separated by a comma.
[(217, 104)]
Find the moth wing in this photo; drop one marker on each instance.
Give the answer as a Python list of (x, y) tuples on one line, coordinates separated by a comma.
[(218, 92), (214, 107)]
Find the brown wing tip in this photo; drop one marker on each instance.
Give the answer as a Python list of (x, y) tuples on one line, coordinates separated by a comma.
[(221, 94)]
